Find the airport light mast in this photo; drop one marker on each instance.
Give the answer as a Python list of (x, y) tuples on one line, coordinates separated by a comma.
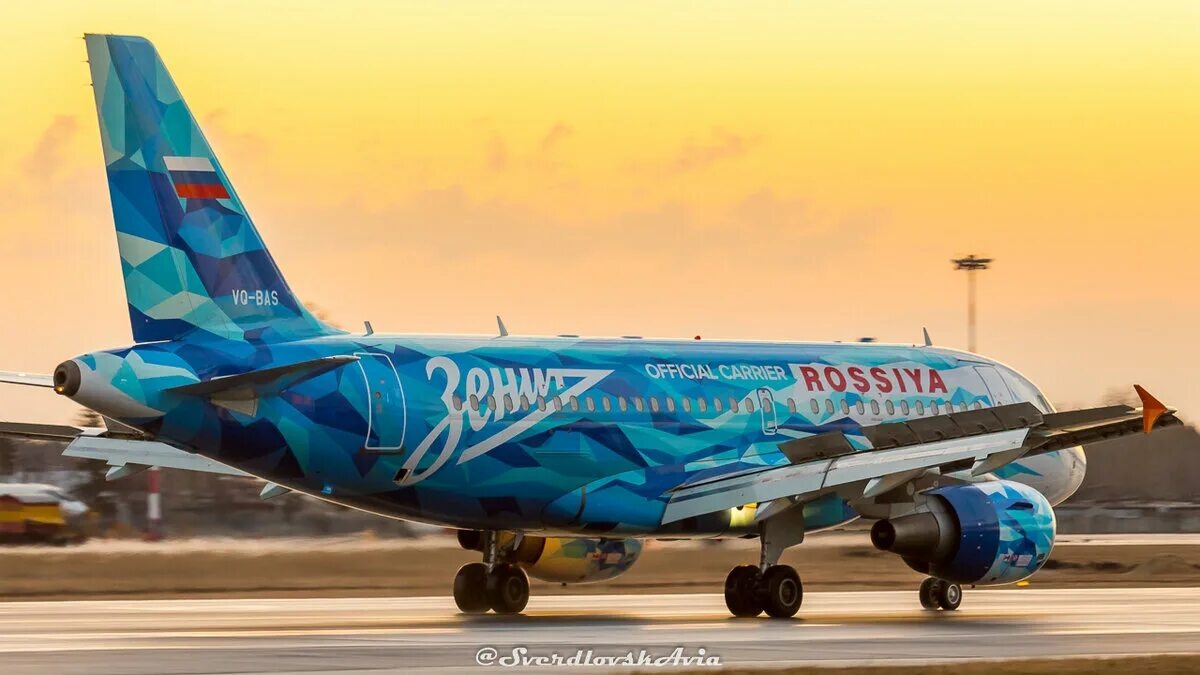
[(972, 265)]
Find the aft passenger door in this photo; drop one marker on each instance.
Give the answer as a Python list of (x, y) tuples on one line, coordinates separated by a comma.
[(385, 402)]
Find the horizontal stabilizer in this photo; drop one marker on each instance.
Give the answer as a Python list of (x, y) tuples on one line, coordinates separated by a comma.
[(47, 432), (260, 382), (27, 379), (122, 452)]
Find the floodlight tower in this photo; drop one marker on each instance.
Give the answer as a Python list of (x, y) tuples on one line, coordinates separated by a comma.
[(972, 265)]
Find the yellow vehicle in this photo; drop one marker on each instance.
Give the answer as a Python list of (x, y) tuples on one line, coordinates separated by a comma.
[(37, 513)]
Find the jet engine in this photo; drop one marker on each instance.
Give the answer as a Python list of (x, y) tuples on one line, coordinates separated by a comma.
[(563, 559), (996, 532)]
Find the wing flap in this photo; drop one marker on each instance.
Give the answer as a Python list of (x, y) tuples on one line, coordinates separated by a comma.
[(825, 474)]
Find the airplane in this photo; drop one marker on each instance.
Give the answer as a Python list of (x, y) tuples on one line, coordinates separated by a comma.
[(554, 457)]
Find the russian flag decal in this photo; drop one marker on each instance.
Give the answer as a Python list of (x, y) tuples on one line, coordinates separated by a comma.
[(195, 178)]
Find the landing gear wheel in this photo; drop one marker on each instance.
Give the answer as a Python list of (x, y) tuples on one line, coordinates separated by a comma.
[(507, 589), (949, 596), (741, 591), (928, 593), (780, 591), (470, 588)]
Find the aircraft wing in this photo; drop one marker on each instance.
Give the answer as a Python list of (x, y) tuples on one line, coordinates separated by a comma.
[(978, 441)]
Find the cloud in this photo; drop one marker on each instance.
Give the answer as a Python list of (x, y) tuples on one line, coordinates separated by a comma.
[(48, 155), (497, 154), (556, 135), (225, 140), (720, 145)]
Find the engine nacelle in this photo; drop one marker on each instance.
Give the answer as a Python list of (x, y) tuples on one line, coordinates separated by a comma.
[(567, 560), (990, 533)]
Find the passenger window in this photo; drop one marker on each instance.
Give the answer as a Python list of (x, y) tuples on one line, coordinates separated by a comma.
[(978, 405), (717, 404), (733, 404), (606, 404), (574, 404), (701, 404), (622, 403), (524, 402), (458, 403), (541, 401), (962, 407), (933, 408), (653, 404), (874, 407), (670, 404), (558, 404), (816, 407), (749, 405), (845, 407), (862, 409), (491, 402), (590, 404), (792, 405), (474, 401), (920, 408), (508, 403), (638, 405), (829, 406), (687, 404), (904, 408), (890, 407)]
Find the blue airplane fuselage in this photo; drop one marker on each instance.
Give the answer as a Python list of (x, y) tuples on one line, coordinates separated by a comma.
[(551, 434)]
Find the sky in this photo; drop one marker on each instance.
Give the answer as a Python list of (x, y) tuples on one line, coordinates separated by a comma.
[(798, 171)]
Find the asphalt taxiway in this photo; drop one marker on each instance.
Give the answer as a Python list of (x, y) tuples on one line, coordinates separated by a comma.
[(361, 634)]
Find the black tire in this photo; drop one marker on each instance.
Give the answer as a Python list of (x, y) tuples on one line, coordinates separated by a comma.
[(928, 593), (507, 589), (949, 596), (780, 591), (741, 591), (470, 588)]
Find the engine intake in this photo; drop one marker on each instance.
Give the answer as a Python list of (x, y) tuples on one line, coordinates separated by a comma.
[(996, 532)]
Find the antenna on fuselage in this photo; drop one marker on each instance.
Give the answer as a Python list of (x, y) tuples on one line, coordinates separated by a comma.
[(368, 328), (928, 341), (501, 326)]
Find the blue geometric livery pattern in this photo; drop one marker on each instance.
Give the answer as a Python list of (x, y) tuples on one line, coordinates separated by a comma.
[(551, 435)]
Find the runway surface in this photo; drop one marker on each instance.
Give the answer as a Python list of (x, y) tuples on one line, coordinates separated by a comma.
[(364, 634)]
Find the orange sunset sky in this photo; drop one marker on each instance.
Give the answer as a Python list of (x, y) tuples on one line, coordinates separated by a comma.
[(801, 171)]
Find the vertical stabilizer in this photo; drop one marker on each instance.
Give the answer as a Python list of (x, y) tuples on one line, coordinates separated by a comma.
[(193, 263)]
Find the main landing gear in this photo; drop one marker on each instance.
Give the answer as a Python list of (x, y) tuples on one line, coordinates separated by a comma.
[(499, 586), (940, 594), (768, 586), (750, 591)]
